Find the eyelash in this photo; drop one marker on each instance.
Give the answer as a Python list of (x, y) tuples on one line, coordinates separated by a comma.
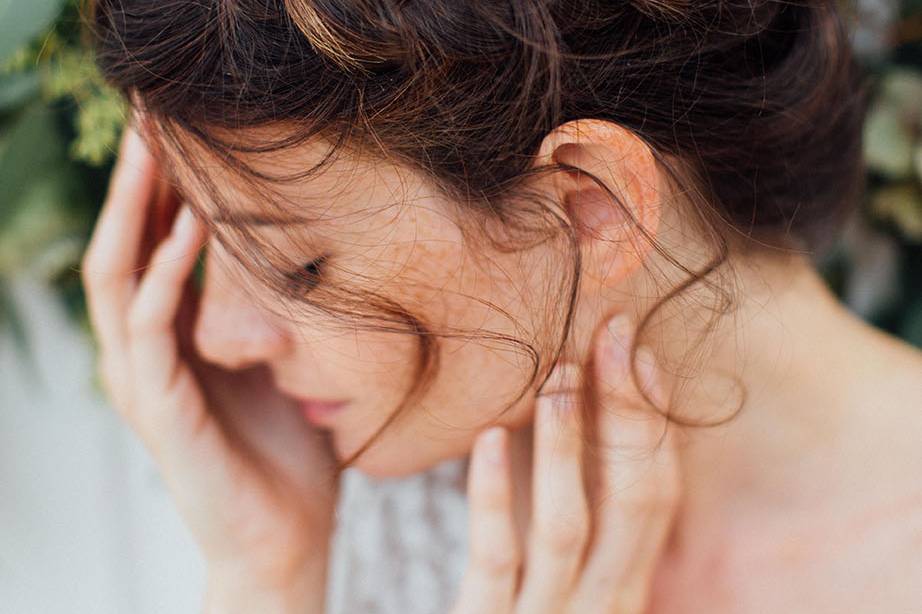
[(308, 276)]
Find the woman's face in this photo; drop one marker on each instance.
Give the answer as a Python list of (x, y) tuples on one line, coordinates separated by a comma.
[(382, 231)]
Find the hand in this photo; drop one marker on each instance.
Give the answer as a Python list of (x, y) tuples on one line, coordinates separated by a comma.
[(253, 482), (589, 551)]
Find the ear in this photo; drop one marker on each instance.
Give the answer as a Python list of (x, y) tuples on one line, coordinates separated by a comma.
[(608, 212)]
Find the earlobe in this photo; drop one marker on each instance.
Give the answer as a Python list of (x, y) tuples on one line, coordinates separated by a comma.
[(608, 192)]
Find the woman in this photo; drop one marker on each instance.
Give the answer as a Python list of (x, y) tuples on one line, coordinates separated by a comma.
[(572, 237)]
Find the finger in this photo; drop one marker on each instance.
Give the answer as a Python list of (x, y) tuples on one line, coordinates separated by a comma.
[(153, 313), (492, 572), (560, 518), (164, 207), (638, 483), (152, 346), (188, 310), (111, 257)]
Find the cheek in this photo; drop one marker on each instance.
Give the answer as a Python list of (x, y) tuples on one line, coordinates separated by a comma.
[(475, 387), (486, 360), (353, 363), (486, 315), (482, 315)]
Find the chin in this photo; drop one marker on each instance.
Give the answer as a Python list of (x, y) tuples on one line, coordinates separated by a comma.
[(383, 465), (389, 459), (379, 461)]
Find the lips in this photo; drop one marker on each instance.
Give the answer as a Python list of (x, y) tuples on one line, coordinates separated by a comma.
[(320, 412), (315, 410)]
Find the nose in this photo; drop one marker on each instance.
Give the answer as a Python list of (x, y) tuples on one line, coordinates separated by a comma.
[(231, 330)]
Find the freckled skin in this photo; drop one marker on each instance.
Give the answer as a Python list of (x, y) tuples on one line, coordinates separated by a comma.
[(400, 240), (788, 507)]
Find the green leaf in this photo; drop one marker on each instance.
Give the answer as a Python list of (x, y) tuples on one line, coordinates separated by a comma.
[(99, 124), (23, 20)]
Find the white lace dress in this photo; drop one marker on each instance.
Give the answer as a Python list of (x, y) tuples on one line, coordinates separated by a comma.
[(400, 545)]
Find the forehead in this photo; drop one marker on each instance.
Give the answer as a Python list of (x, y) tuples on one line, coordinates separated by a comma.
[(306, 182)]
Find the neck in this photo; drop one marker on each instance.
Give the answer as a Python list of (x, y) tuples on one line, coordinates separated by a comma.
[(797, 366), (799, 385)]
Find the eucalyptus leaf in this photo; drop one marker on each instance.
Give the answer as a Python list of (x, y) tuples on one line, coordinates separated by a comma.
[(23, 20)]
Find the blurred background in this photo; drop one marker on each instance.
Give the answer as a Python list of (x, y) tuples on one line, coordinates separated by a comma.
[(85, 523)]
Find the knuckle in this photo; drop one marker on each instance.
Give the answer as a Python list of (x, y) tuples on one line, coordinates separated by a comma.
[(563, 535), (670, 490), (100, 279), (89, 269), (559, 445), (141, 321), (630, 599), (654, 499), (666, 485), (494, 500), (496, 560)]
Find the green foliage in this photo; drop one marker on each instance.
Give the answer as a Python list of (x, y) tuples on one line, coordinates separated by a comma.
[(58, 122), (100, 110), (893, 150)]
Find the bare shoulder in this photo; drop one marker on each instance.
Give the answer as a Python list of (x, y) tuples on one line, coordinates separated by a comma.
[(862, 557), (855, 544), (885, 394), (811, 561), (900, 362), (882, 560), (866, 540), (843, 531)]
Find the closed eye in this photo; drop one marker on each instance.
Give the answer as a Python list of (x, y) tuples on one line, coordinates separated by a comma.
[(308, 276)]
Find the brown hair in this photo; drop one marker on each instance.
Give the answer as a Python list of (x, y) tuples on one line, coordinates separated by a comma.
[(753, 107)]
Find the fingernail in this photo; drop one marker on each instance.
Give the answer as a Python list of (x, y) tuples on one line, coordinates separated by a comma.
[(554, 405), (619, 329), (185, 221), (132, 142), (564, 377), (562, 386)]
